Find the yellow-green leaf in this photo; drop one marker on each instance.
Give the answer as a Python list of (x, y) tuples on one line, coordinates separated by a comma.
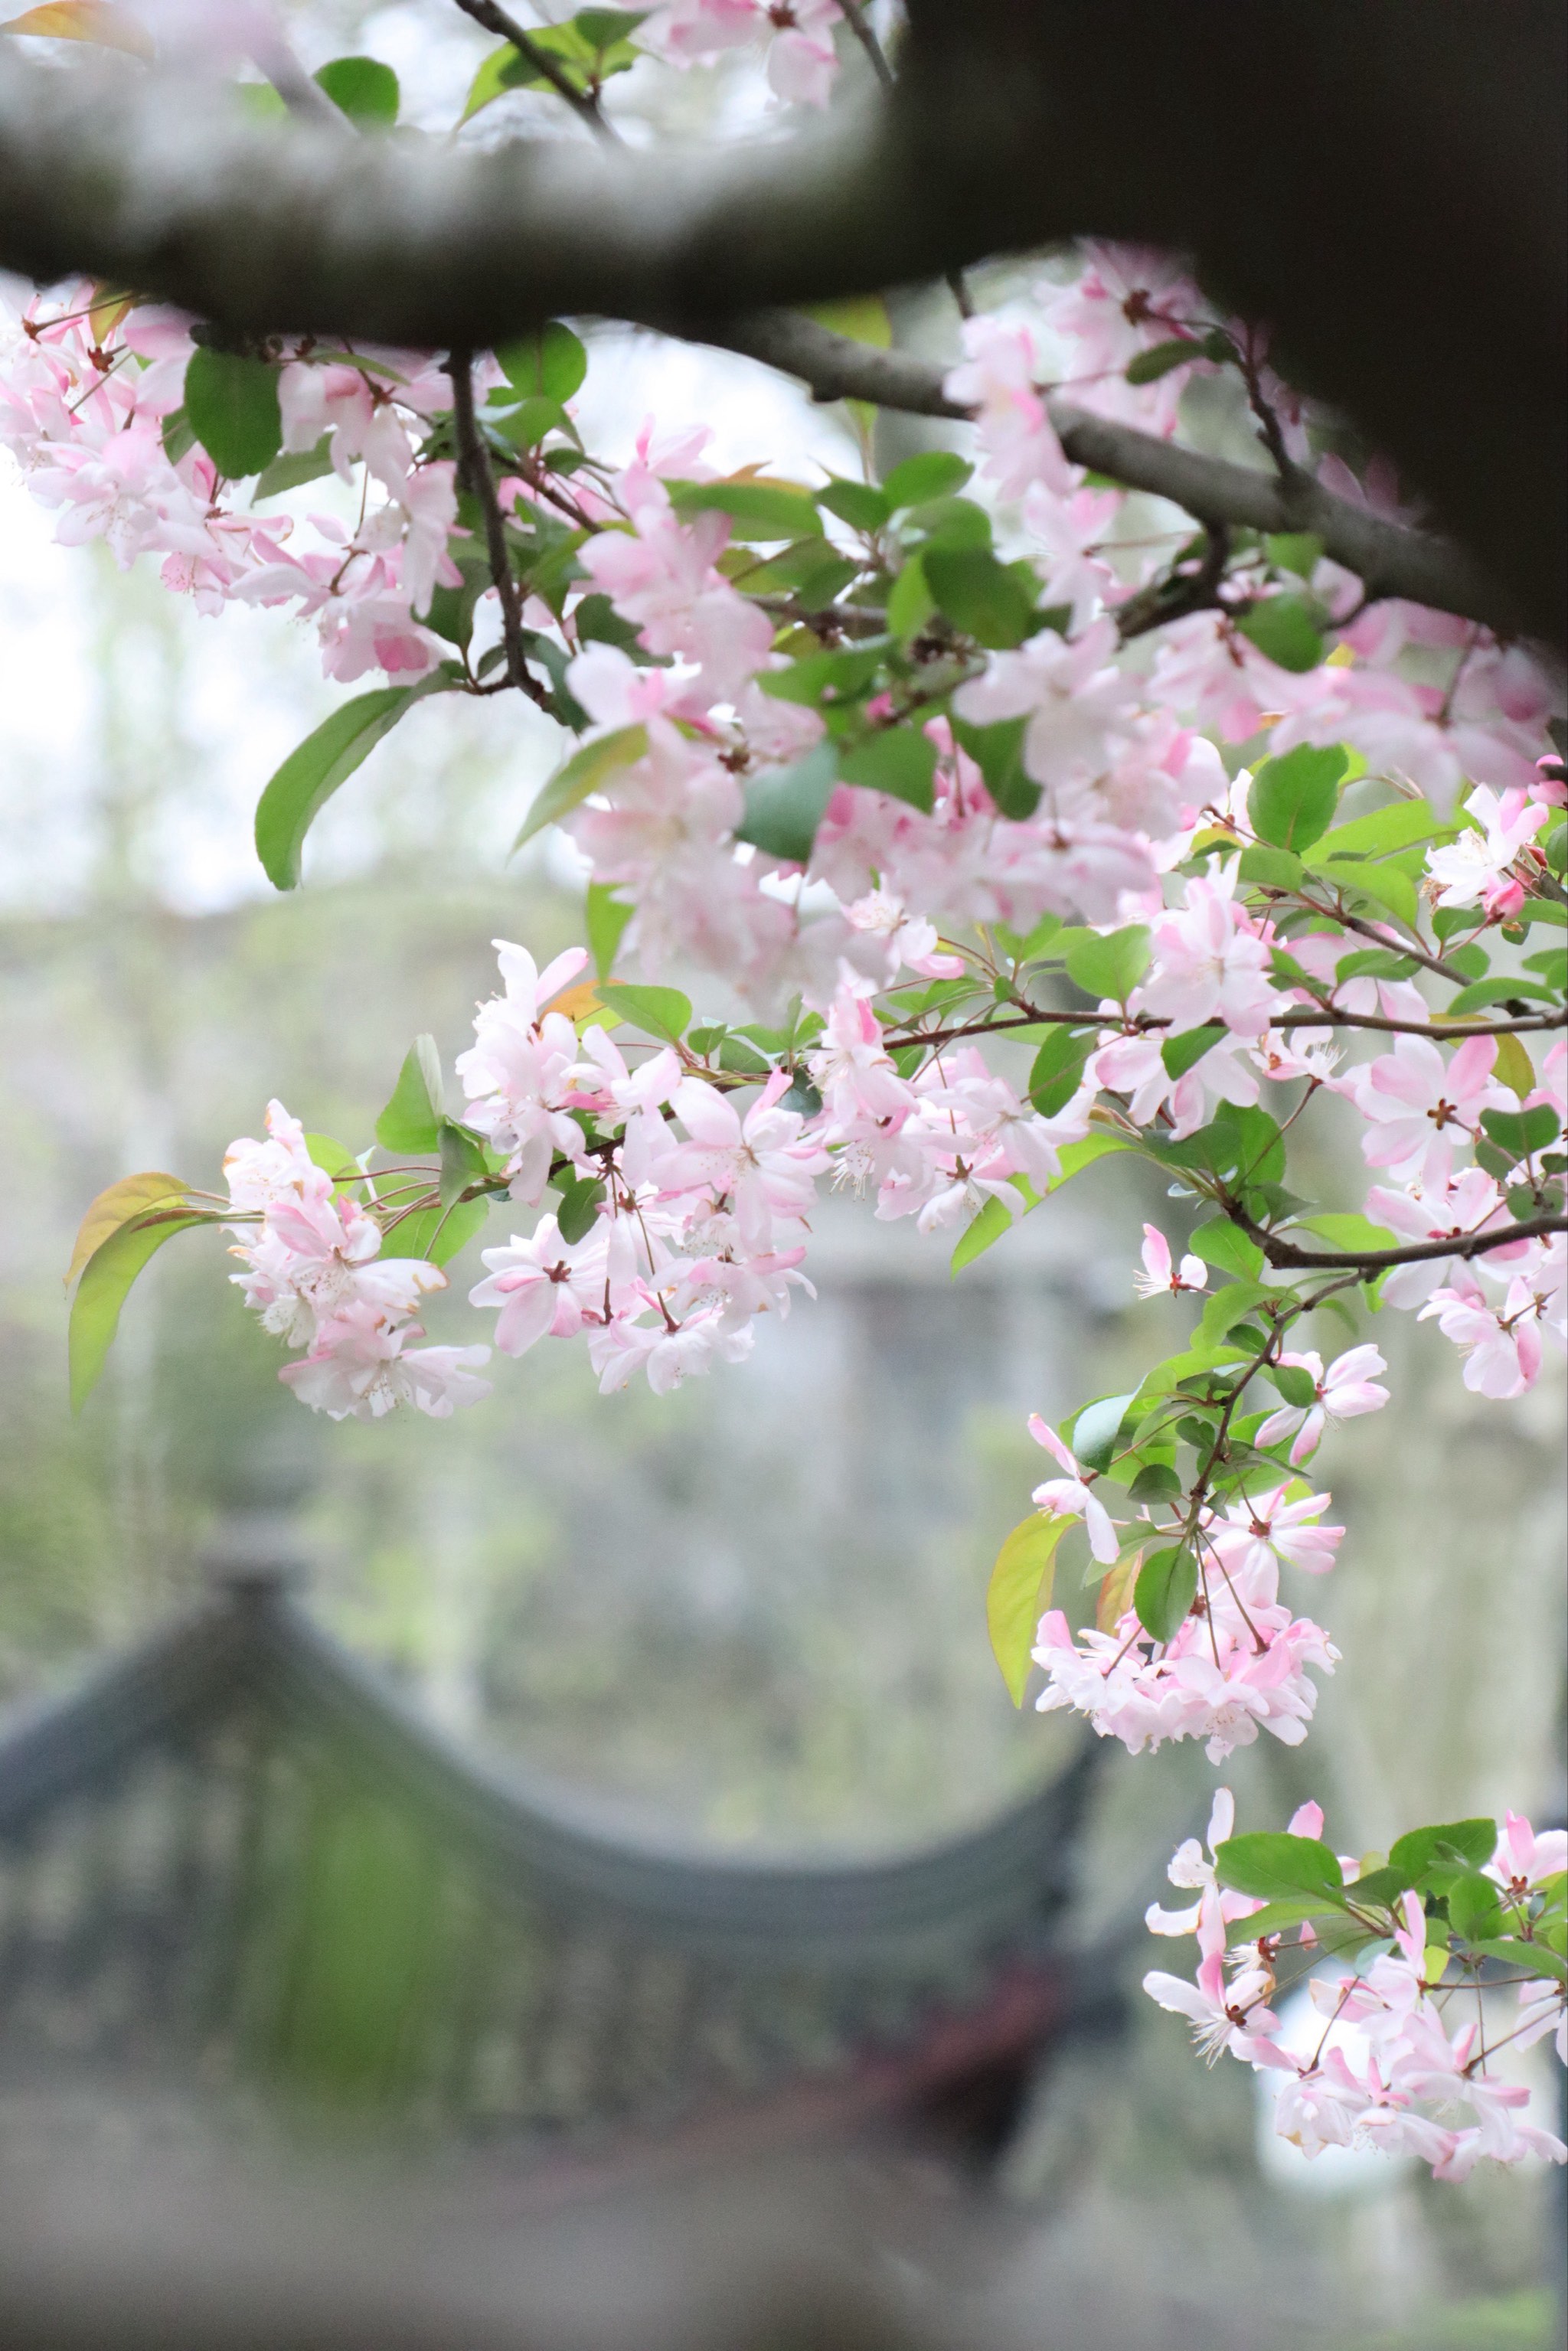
[(1019, 1594), (133, 1195), (85, 20), (1513, 1067), (583, 773)]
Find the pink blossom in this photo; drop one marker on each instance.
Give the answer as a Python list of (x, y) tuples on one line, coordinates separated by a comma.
[(362, 1368), (1445, 1209), (758, 1167), (1259, 1532), (1070, 1497), (1501, 1346), (1347, 1389), (1415, 1102), (1210, 962), (543, 1284), (996, 378), (1077, 707), (1477, 868), (1157, 1276)]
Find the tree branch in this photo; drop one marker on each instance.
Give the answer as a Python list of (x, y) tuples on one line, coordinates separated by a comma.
[(1420, 290), (1386, 557), (507, 28), (1286, 1256), (473, 472)]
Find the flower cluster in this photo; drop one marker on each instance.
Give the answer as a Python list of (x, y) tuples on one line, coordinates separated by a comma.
[(92, 396), (918, 771), (314, 1272), (1400, 2055)]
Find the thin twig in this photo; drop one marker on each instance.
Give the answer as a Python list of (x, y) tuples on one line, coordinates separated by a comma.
[(474, 469), (505, 28)]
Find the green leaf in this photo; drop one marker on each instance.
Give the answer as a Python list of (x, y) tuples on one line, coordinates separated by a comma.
[(1221, 1244), (979, 595), (1475, 1907), (585, 772), (1147, 367), (1018, 1594), (757, 511), (784, 806), (662, 1012), (1348, 1231), (955, 523), (463, 1160), (1227, 1308), (105, 1284), (997, 752), (549, 364), (831, 677), (1269, 869), (1383, 884), (1277, 1919), (362, 89), (1180, 1053), (578, 1209), (860, 505), (1274, 1866), (910, 602), (1156, 1481), (605, 920), (1300, 551), (295, 466), (1423, 1850), (334, 1159), (898, 760), (1296, 1384), (1285, 628), (1164, 1593), (929, 474), (1521, 1132), (978, 1233), (1112, 966), (1096, 1430), (437, 1234), (412, 1119), (1386, 830), (1293, 799), (313, 771), (1533, 1955), (1075, 1156), (231, 405), (1058, 1066)]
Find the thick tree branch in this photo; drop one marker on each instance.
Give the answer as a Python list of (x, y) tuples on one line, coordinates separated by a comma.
[(1382, 181)]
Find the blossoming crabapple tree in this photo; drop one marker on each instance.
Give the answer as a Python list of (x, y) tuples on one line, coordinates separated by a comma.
[(1027, 824)]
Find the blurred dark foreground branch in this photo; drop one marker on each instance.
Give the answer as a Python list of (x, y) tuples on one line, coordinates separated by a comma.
[(1382, 179)]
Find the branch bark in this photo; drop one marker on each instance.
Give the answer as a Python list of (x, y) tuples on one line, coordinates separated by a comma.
[(1386, 557)]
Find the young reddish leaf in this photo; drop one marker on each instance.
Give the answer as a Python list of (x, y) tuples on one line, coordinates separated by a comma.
[(105, 1284), (132, 1197)]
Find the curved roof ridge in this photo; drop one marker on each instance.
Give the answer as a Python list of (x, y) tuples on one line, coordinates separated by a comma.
[(997, 1882)]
